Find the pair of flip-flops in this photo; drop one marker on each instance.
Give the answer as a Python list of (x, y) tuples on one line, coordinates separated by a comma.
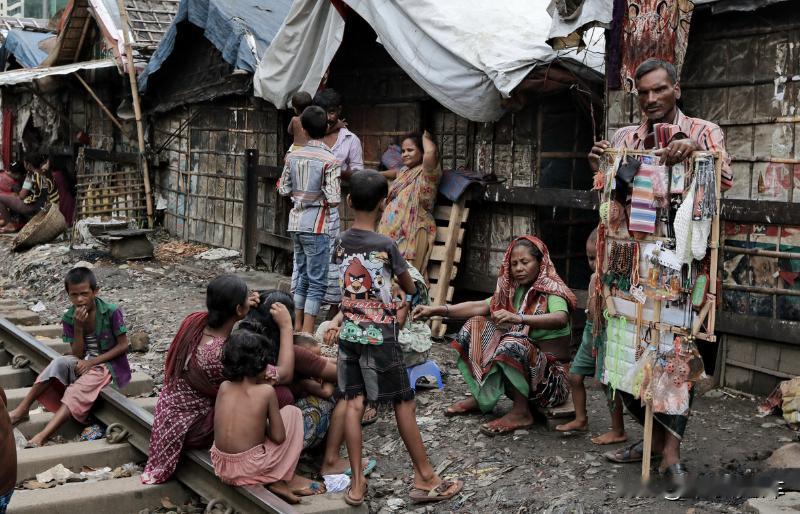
[(442, 492), (369, 468)]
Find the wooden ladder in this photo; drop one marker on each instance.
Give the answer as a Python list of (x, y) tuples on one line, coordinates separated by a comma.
[(446, 255)]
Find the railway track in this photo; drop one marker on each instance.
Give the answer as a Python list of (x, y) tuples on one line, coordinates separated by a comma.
[(23, 356)]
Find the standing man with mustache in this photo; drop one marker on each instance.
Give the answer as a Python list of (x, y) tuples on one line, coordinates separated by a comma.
[(658, 89)]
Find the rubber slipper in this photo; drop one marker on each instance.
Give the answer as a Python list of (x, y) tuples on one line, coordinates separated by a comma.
[(312, 489), (349, 499), (444, 491), (369, 468), (373, 419), (632, 453), (492, 431), (425, 383)]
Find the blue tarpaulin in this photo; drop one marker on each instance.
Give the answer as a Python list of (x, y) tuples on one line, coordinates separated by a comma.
[(240, 30), (23, 45)]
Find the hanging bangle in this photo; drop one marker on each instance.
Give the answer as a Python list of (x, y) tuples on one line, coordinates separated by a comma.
[(521, 319), (446, 311)]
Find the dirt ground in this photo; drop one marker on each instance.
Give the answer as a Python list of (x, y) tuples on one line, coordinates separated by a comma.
[(534, 470)]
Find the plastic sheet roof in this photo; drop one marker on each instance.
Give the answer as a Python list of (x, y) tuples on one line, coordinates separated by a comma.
[(240, 30), (467, 54), (25, 75), (23, 45)]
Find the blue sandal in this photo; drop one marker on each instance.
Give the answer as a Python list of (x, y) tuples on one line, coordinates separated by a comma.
[(369, 468)]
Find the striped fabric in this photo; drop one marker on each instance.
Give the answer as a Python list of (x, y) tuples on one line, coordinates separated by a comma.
[(708, 135), (643, 213), (311, 177)]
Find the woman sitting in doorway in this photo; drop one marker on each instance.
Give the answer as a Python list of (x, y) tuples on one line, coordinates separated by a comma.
[(408, 216), (38, 191), (513, 341)]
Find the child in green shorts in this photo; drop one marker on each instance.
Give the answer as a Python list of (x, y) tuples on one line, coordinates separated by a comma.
[(588, 362)]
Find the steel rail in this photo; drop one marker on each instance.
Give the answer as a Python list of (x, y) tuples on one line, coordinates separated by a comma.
[(195, 470)]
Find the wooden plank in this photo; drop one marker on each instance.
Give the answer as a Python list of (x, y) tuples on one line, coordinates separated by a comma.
[(757, 327), (759, 211), (440, 253), (250, 240), (759, 369), (442, 213), (501, 193), (274, 240), (433, 272), (442, 233)]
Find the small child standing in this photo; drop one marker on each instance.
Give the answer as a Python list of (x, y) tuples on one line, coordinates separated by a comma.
[(311, 177), (255, 442), (586, 364), (98, 339), (300, 101), (370, 365)]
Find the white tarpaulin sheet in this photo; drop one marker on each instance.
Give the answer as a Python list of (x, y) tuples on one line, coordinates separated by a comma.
[(467, 54), (9, 78), (300, 52)]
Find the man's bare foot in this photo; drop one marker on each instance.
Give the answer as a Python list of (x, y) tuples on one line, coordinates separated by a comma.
[(576, 425), (281, 488), (463, 407), (610, 437), (339, 466)]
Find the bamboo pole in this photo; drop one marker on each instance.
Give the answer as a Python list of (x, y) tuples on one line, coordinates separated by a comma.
[(137, 110), (100, 103)]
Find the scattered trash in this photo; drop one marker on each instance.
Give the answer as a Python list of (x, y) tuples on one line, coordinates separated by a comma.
[(97, 475), (19, 440), (336, 483), (39, 307), (35, 484), (92, 433), (58, 473), (217, 254), (395, 503), (139, 341)]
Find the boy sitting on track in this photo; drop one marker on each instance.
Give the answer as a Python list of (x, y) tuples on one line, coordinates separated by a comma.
[(98, 338)]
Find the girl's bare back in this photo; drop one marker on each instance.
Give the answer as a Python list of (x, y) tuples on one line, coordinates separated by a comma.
[(241, 415)]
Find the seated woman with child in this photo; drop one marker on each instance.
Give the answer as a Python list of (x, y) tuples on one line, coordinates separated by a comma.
[(513, 342)]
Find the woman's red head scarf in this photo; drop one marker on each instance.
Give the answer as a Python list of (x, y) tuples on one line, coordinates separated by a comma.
[(548, 282)]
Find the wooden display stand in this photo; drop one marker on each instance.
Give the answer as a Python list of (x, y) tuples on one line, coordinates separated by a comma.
[(699, 325)]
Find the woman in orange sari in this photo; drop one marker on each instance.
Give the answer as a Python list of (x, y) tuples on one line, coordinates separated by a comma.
[(408, 216)]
